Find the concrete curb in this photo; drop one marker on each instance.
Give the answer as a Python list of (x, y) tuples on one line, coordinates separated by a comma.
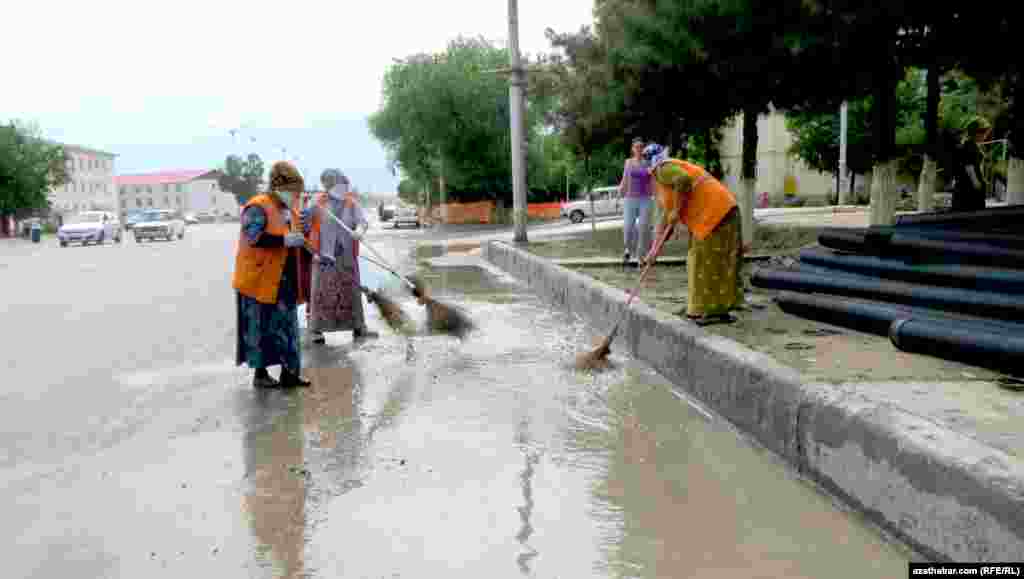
[(948, 496)]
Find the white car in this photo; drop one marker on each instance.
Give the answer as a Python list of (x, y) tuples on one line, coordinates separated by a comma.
[(406, 214), (607, 201), (159, 224), (90, 227)]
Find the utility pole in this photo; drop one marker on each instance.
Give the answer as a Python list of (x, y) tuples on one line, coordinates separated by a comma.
[(843, 195), (515, 93)]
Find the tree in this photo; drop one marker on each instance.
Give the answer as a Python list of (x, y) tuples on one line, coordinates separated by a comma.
[(445, 121), (29, 168), (243, 178)]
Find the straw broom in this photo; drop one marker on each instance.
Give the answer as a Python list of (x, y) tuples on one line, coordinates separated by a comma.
[(441, 317), (598, 357)]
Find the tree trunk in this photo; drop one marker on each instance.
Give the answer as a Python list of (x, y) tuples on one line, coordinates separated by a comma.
[(883, 190), (5, 225), (749, 174), (926, 184), (1015, 181)]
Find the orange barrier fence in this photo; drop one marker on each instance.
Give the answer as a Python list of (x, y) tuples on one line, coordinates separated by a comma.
[(483, 212)]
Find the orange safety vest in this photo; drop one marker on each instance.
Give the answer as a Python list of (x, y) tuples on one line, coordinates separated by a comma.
[(258, 270), (706, 206)]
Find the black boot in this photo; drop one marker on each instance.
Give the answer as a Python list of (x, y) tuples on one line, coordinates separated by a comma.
[(292, 380), (360, 334), (263, 379)]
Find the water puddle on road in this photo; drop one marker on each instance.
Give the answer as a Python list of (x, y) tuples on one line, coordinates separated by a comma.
[(426, 456)]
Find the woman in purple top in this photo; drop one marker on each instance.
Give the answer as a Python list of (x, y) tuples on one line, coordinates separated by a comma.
[(637, 192)]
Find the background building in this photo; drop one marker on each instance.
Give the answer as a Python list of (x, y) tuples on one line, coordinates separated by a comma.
[(91, 184), (188, 191)]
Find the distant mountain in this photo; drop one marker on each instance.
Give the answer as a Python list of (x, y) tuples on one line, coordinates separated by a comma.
[(343, 144)]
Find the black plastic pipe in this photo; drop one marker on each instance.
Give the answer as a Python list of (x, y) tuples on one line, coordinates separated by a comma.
[(996, 351), (1007, 241), (959, 276), (877, 317), (921, 250), (1009, 217), (969, 302)]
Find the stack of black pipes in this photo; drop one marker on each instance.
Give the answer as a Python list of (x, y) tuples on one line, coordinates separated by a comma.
[(945, 284)]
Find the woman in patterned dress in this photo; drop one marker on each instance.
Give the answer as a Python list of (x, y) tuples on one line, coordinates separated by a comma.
[(337, 301), (266, 279), (688, 195)]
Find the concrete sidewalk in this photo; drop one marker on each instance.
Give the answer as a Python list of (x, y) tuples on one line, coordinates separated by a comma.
[(934, 462)]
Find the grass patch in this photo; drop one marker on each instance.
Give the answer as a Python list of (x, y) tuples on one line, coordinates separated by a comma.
[(608, 242)]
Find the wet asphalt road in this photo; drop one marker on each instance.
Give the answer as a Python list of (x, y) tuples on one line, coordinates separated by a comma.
[(131, 446)]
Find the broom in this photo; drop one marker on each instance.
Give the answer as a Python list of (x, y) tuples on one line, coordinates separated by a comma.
[(392, 313), (598, 357), (441, 317)]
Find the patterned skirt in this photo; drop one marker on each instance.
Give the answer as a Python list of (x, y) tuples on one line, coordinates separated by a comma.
[(268, 334), (713, 269), (337, 300)]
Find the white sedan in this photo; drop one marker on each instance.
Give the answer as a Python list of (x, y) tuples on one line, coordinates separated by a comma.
[(607, 201), (406, 214), (159, 224), (90, 227)]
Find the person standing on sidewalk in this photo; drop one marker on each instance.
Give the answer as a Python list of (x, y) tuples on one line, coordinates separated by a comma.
[(635, 188), (688, 195), (267, 283), (337, 301), (971, 188)]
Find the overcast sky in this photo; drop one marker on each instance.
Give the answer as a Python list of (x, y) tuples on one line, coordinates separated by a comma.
[(160, 83)]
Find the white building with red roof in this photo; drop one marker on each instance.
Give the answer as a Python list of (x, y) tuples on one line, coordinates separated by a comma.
[(186, 190)]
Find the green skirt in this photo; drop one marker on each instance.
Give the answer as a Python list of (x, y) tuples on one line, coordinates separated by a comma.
[(713, 269)]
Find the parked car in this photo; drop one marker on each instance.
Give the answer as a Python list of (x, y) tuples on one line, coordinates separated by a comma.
[(132, 218), (607, 201), (191, 219), (406, 214), (159, 224), (90, 227), (387, 213), (206, 217)]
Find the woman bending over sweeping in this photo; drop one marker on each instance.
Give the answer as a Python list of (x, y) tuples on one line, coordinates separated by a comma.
[(267, 280), (337, 301), (688, 195)]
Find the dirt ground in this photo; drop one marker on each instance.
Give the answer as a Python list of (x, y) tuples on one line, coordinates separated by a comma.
[(768, 238), (821, 352)]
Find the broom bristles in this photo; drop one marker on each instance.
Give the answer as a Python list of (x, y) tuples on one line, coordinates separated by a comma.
[(392, 313), (441, 317)]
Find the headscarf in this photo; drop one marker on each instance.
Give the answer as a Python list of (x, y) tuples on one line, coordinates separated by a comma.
[(284, 180), (655, 154), (341, 202)]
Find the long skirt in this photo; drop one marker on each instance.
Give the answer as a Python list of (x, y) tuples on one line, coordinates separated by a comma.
[(337, 300), (713, 270), (268, 334)]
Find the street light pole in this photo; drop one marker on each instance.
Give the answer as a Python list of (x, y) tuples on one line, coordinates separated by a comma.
[(515, 92)]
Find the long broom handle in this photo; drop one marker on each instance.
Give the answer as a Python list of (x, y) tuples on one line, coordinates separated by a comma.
[(370, 247), (643, 276)]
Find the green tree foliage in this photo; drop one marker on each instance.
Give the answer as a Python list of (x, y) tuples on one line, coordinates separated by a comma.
[(242, 177), (448, 114), (29, 168), (409, 192)]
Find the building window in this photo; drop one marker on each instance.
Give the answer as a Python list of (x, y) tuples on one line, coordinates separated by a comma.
[(149, 201), (177, 201), (181, 188), (167, 202), (167, 188), (138, 202), (213, 200)]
